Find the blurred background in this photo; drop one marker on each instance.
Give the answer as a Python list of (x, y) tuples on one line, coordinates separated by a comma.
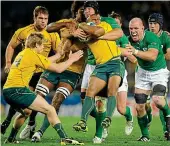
[(16, 14)]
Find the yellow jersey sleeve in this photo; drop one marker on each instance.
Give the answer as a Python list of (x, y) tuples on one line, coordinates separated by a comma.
[(42, 61)]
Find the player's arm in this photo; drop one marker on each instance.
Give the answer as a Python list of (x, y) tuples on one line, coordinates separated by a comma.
[(132, 58), (149, 55), (95, 31), (56, 26), (112, 35), (167, 55), (14, 42), (60, 67)]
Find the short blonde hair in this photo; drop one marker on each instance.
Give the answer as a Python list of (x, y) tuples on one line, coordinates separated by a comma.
[(33, 39)]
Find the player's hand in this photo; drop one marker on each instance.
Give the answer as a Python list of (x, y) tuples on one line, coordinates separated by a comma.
[(75, 56), (7, 67), (126, 52), (129, 46), (79, 33), (71, 25)]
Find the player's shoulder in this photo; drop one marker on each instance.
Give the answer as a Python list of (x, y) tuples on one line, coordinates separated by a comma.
[(26, 28), (64, 20)]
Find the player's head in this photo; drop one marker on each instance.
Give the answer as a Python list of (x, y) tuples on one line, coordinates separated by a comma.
[(90, 8), (40, 15), (136, 29), (35, 41), (117, 17), (95, 18), (155, 22)]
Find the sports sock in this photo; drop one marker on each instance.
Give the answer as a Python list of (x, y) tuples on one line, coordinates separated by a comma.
[(143, 124), (162, 118), (60, 130), (87, 108), (128, 114), (10, 115), (45, 125), (32, 118), (111, 104)]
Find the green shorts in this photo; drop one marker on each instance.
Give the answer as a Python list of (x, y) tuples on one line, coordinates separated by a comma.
[(21, 97), (109, 69), (69, 77)]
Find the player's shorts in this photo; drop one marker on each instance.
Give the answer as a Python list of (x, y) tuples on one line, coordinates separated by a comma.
[(124, 86), (34, 80), (86, 76), (21, 97), (109, 69), (68, 77), (146, 80)]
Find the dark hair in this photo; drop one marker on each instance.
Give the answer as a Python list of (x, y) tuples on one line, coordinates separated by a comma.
[(76, 5), (115, 15), (156, 17), (33, 39), (92, 4), (39, 9)]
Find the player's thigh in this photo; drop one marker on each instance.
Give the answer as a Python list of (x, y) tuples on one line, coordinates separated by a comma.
[(96, 84), (40, 104)]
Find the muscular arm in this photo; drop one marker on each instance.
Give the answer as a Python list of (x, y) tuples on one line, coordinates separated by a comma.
[(95, 31), (112, 35), (54, 27)]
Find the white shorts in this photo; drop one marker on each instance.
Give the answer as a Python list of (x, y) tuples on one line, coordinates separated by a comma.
[(86, 76), (124, 86), (146, 80)]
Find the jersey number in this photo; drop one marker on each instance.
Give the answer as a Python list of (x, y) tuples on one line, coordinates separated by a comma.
[(17, 61)]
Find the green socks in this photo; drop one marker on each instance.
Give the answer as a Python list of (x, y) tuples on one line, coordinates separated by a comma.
[(13, 134), (59, 128), (99, 129), (111, 104), (45, 124), (149, 114), (87, 108), (143, 124), (128, 114), (162, 118)]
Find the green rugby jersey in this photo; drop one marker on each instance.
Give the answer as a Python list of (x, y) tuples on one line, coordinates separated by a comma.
[(150, 40)]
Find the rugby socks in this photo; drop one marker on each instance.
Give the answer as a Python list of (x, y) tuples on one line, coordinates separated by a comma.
[(45, 125), (143, 124), (99, 129), (111, 104), (32, 118), (87, 108), (166, 110), (149, 113), (94, 112), (162, 118), (13, 134), (128, 114), (60, 130), (10, 115)]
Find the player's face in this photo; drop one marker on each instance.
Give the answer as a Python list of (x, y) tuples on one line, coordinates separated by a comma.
[(41, 21), (88, 11), (118, 22), (94, 18), (136, 30), (154, 27)]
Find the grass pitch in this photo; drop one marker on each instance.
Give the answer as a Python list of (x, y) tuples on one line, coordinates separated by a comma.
[(116, 134)]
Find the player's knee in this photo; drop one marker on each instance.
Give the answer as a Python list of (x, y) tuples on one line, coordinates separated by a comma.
[(140, 98), (42, 90), (100, 104), (140, 108), (64, 91), (50, 110), (27, 112)]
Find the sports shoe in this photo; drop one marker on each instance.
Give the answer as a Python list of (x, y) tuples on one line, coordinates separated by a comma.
[(27, 132), (104, 133), (11, 140), (97, 140), (80, 126), (37, 136), (143, 138), (106, 122), (129, 127), (4, 126), (70, 141)]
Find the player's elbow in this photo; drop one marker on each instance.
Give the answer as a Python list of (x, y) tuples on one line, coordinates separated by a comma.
[(153, 58), (119, 32), (59, 70)]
